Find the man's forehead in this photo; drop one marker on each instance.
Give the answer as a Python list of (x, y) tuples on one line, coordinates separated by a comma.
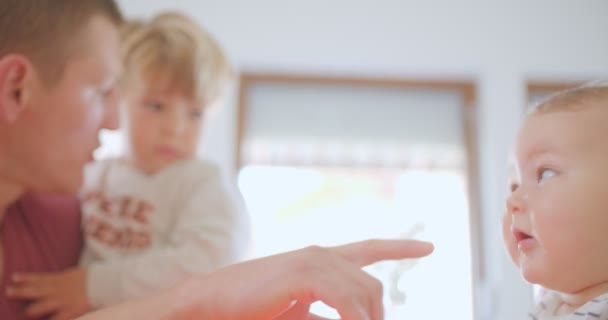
[(99, 49)]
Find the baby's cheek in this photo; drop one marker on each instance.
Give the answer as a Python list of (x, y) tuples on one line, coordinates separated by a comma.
[(508, 238)]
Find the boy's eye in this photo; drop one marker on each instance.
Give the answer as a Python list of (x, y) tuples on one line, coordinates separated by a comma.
[(545, 173)]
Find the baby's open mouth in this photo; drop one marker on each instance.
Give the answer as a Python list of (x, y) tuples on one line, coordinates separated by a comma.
[(521, 236), (523, 240)]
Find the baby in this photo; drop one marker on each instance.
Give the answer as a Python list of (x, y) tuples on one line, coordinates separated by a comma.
[(556, 226)]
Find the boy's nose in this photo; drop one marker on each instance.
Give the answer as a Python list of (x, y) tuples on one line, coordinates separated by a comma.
[(176, 124)]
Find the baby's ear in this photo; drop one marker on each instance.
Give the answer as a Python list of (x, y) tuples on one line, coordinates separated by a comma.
[(15, 70)]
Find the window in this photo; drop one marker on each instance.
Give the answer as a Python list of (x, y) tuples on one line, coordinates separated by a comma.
[(332, 160)]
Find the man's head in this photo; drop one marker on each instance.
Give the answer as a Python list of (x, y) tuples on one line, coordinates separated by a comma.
[(558, 208), (46, 31), (59, 62), (174, 71)]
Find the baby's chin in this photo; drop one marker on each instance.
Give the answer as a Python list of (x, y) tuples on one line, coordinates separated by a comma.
[(531, 273), (531, 276), (546, 280)]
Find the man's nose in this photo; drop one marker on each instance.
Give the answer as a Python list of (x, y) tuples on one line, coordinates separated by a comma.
[(111, 114)]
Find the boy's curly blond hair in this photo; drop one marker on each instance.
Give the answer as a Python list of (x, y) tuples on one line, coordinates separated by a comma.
[(173, 49)]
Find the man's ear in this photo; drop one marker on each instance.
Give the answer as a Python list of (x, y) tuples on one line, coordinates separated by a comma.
[(15, 70)]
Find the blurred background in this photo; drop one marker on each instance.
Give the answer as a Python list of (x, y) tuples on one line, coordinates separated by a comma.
[(386, 118)]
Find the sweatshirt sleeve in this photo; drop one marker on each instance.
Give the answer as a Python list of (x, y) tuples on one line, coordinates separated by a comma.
[(211, 230)]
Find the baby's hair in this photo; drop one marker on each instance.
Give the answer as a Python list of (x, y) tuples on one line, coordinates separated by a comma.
[(592, 94), (172, 48)]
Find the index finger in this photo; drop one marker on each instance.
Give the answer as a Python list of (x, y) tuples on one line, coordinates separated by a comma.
[(370, 251)]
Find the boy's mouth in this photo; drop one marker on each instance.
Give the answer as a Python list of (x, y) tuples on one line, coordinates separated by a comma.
[(168, 151)]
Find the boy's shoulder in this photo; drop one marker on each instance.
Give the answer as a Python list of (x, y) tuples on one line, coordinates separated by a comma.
[(197, 168), (195, 171), (197, 175)]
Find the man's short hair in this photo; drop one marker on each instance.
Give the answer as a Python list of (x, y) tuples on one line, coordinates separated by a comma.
[(44, 30)]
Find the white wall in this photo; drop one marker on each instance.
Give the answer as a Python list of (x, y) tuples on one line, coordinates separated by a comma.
[(499, 44)]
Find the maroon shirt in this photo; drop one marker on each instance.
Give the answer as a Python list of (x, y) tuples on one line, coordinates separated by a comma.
[(40, 233)]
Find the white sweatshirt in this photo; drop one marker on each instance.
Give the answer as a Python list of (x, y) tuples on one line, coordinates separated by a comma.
[(145, 233)]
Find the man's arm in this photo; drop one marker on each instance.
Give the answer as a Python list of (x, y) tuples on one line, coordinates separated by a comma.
[(270, 287)]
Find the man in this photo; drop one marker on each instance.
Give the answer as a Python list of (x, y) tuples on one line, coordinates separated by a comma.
[(59, 66)]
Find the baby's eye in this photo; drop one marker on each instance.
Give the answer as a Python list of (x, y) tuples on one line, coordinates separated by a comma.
[(545, 173)]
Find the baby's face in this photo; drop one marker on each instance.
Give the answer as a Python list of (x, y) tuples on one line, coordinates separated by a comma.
[(556, 227), (163, 126)]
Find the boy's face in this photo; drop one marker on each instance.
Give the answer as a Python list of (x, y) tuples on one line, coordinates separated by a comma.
[(163, 126), (59, 129), (556, 227)]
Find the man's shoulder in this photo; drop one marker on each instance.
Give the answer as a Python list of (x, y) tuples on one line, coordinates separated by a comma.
[(50, 203)]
